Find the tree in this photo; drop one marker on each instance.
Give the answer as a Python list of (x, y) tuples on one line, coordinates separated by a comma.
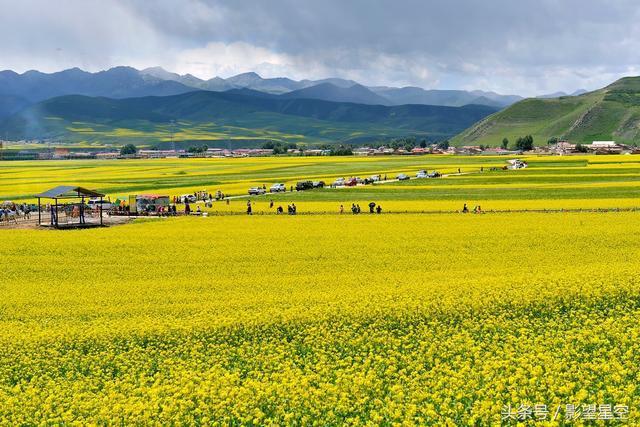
[(505, 143), (423, 143), (341, 150), (198, 149), (581, 148), (553, 140), (524, 143), (443, 145), (128, 150)]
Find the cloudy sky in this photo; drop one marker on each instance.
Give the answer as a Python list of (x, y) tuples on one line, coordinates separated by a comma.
[(508, 46)]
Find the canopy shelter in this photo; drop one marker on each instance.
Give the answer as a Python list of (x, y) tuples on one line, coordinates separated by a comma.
[(70, 203)]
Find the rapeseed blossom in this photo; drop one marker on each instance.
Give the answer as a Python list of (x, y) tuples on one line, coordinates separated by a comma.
[(333, 320)]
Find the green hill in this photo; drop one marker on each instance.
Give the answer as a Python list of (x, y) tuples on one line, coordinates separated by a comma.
[(611, 113), (232, 118)]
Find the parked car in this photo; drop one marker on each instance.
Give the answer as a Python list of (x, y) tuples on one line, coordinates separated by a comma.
[(256, 191), (339, 182), (421, 174), (278, 188), (304, 185), (188, 198), (351, 182), (434, 174), (95, 204), (318, 184), (375, 178), (402, 177)]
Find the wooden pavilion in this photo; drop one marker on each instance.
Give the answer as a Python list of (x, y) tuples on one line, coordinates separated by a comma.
[(70, 202)]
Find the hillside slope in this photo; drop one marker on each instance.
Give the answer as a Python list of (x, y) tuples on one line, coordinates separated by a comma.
[(236, 115), (611, 113)]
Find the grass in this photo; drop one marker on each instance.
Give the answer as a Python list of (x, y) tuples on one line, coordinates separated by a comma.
[(612, 113)]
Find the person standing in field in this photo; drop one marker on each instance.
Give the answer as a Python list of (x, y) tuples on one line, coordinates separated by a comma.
[(379, 209), (465, 209), (187, 208), (271, 204), (341, 209), (372, 206), (249, 210)]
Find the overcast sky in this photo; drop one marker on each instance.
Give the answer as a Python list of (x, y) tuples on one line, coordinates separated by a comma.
[(508, 46)]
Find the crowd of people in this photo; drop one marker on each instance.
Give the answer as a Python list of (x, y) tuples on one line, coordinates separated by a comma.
[(14, 211)]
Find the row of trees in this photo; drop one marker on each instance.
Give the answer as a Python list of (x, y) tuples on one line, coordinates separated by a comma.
[(279, 147)]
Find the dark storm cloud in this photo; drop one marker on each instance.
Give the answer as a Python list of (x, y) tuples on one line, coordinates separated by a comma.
[(508, 46)]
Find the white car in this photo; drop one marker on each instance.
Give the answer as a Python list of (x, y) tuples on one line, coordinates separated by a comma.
[(256, 191), (422, 174), (278, 188), (338, 182), (188, 198), (375, 178), (95, 204)]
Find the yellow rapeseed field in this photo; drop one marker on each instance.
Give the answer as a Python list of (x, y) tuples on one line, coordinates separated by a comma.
[(320, 320)]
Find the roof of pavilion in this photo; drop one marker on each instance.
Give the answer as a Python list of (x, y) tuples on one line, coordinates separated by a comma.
[(68, 192)]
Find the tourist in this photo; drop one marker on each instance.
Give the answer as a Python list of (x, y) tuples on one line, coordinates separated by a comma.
[(372, 206), (378, 209), (187, 208), (341, 209), (465, 209), (249, 209)]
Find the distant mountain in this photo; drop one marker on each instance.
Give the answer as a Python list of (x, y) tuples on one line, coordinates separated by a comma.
[(611, 113), (162, 74), (118, 82), (222, 118), (357, 94), (559, 94), (383, 95), (127, 82), (451, 98), (255, 82)]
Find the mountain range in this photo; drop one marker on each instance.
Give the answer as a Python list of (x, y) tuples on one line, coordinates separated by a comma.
[(151, 105), (610, 113), (239, 117), (18, 90)]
